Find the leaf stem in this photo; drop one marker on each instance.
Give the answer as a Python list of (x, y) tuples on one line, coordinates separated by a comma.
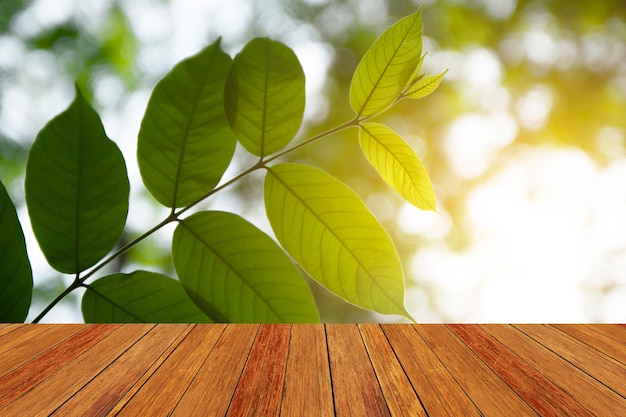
[(354, 122), (174, 215), (75, 284)]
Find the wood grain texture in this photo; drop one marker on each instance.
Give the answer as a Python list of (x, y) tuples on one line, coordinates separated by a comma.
[(260, 387), (399, 394), (71, 378), (308, 390), (312, 370), (580, 355), (210, 392), (355, 386), (160, 393), (490, 394), (436, 387), (101, 394), (546, 398), (587, 391)]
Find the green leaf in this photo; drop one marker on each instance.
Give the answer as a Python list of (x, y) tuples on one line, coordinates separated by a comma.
[(397, 164), (265, 96), (328, 230), (139, 297), (185, 143), (76, 189), (424, 86), (16, 278), (236, 273), (385, 69)]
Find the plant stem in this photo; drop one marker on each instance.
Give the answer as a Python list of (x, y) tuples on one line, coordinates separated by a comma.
[(174, 215), (75, 284)]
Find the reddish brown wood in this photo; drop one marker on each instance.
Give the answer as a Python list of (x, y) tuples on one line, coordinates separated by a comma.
[(399, 394), (211, 390), (250, 369), (100, 395), (437, 389), (585, 358), (490, 394), (260, 387), (24, 378), (591, 394), (355, 386), (308, 390), (48, 395), (27, 350), (615, 332), (605, 346), (160, 393), (14, 334), (544, 396)]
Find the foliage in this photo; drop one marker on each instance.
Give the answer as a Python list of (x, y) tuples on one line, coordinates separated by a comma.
[(228, 270)]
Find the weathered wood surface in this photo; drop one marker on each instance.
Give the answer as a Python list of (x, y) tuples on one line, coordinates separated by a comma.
[(312, 370)]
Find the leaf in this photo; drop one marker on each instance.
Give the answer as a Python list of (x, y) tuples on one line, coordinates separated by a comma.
[(76, 189), (185, 143), (264, 96), (16, 278), (328, 230), (397, 164), (424, 86), (139, 297), (387, 66), (236, 273)]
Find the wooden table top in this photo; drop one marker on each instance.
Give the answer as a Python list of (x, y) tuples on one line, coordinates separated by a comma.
[(312, 370)]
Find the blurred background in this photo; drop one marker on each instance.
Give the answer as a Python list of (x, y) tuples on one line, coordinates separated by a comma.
[(524, 140)]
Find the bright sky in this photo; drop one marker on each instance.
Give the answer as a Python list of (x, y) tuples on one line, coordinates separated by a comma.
[(547, 229)]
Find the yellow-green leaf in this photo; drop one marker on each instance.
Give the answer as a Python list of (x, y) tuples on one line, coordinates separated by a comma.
[(424, 86), (330, 232), (397, 164), (387, 66)]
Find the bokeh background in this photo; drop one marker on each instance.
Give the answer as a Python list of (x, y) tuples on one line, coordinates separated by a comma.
[(524, 139)]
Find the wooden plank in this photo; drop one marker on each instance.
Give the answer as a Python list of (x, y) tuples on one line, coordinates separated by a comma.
[(355, 386), (490, 394), (162, 391), (100, 395), (18, 334), (47, 396), (308, 390), (585, 358), (604, 345), (594, 396), (613, 331), (9, 327), (437, 389), (36, 346), (545, 397), (399, 393), (260, 387), (210, 392), (22, 379)]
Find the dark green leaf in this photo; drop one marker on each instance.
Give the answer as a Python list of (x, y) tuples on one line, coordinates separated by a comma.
[(236, 273), (16, 278), (76, 189), (330, 232), (139, 297), (185, 143), (265, 96)]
